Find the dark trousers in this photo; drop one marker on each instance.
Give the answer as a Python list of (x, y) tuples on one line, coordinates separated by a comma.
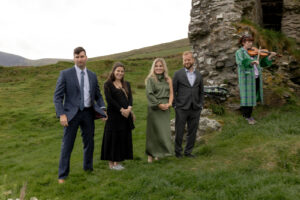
[(191, 117), (85, 120), (247, 110)]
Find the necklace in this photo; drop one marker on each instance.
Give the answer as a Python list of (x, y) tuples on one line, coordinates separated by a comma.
[(118, 85)]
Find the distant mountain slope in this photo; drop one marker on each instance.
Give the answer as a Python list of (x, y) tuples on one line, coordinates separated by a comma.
[(7, 59), (160, 50)]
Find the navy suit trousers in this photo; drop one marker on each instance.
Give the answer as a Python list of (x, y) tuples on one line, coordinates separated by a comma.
[(85, 120)]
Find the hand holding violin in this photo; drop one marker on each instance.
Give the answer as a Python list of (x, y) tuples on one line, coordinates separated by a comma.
[(255, 62)]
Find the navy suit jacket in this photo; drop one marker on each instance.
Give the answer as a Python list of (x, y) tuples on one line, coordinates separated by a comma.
[(186, 95), (67, 93)]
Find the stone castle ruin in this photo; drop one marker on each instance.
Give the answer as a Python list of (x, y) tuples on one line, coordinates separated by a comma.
[(214, 36)]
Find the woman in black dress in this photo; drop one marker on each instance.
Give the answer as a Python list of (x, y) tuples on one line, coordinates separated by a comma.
[(117, 138)]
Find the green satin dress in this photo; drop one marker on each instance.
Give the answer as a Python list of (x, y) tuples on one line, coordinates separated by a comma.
[(158, 136)]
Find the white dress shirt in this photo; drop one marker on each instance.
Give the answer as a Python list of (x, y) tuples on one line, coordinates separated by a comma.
[(86, 89), (191, 76), (256, 72)]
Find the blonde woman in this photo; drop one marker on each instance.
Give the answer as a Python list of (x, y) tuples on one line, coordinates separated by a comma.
[(159, 90)]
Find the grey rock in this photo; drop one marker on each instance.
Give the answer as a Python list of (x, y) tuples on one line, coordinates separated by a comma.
[(220, 16), (205, 112), (206, 126), (210, 82), (204, 73), (285, 63), (213, 74), (220, 65), (196, 3)]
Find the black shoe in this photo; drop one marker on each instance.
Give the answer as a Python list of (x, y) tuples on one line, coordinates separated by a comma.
[(189, 155), (178, 155)]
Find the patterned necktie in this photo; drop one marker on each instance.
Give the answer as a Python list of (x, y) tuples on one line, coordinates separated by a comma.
[(82, 91)]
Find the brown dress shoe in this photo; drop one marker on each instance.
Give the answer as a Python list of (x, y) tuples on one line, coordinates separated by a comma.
[(60, 181)]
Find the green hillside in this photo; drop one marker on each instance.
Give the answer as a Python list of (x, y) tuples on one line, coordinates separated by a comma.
[(240, 162), (169, 49)]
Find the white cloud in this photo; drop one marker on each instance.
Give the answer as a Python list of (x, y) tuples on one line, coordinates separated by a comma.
[(53, 28)]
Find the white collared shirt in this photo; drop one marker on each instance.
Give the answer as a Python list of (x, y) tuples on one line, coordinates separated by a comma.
[(86, 89), (191, 76), (256, 72)]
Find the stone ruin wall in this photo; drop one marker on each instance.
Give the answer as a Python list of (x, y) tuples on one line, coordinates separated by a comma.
[(214, 38), (290, 24)]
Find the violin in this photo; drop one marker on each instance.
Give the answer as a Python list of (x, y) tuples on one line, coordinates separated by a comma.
[(262, 52)]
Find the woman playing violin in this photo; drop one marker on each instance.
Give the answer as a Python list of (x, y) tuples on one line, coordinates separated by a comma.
[(250, 76)]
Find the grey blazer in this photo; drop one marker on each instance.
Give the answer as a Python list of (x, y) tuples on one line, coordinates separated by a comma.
[(67, 93), (186, 95)]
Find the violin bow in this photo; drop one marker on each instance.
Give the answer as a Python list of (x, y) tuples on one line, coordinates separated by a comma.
[(258, 53)]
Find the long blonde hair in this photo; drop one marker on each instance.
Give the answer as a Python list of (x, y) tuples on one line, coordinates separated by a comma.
[(152, 73)]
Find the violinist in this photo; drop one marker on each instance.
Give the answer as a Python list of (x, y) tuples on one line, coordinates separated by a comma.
[(250, 76)]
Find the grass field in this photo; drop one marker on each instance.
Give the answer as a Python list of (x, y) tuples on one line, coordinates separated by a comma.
[(240, 162)]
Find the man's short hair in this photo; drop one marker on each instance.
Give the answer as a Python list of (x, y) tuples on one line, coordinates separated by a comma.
[(187, 53), (78, 50)]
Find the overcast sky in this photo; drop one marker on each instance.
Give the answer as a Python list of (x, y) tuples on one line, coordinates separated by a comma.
[(53, 28)]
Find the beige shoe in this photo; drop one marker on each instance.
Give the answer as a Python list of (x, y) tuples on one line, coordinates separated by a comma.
[(117, 167), (251, 121)]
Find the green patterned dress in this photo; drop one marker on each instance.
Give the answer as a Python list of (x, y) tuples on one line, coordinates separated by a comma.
[(246, 73), (158, 136)]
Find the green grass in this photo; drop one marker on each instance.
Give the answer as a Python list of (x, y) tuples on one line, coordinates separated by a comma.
[(240, 162)]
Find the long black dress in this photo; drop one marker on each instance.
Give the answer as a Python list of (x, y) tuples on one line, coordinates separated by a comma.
[(117, 137)]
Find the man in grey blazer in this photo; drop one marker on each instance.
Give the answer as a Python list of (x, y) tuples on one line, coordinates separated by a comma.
[(77, 100), (188, 103)]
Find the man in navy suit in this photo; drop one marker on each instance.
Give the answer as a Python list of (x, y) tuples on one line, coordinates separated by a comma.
[(77, 98), (188, 103)]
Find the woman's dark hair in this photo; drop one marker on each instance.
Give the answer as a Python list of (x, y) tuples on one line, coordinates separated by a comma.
[(111, 78), (245, 38)]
